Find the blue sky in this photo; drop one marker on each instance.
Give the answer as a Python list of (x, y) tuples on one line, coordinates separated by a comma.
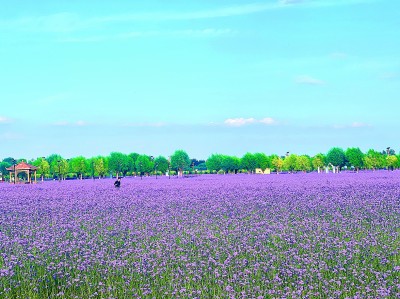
[(91, 77)]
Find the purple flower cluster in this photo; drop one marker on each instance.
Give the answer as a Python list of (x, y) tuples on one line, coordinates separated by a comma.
[(212, 236)]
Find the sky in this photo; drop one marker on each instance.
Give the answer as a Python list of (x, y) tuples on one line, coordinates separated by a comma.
[(91, 77)]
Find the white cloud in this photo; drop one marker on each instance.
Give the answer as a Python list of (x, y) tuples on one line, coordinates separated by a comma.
[(189, 33), (339, 55), (359, 125), (389, 75), (352, 125), (238, 122), (147, 124), (4, 120), (63, 22), (309, 80), (79, 123)]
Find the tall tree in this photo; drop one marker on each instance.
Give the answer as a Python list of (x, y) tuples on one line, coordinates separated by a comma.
[(43, 167), (78, 165), (161, 164), (214, 162), (52, 159), (391, 161), (318, 161), (303, 163), (249, 162), (374, 160), (230, 164), (3, 170), (277, 162), (144, 164), (180, 160), (336, 157), (263, 161), (118, 163), (355, 157), (100, 166), (133, 157), (289, 163)]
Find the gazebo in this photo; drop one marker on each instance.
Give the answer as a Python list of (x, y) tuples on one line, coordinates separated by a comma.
[(22, 167)]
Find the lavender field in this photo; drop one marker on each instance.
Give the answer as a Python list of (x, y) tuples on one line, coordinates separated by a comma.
[(226, 236)]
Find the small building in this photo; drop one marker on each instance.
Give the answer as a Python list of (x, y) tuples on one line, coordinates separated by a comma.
[(22, 167), (260, 171)]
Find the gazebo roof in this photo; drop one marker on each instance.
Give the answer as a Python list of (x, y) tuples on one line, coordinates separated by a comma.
[(22, 166)]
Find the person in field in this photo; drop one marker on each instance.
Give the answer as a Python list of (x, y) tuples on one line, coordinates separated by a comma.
[(117, 183)]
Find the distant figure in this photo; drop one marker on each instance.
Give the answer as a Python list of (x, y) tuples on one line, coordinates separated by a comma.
[(117, 183)]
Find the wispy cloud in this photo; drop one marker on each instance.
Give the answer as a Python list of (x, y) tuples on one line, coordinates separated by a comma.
[(309, 80), (65, 22), (352, 125), (339, 55), (189, 33), (4, 120), (79, 123), (389, 75), (239, 122), (146, 124)]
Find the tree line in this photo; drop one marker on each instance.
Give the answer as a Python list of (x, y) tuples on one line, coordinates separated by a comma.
[(120, 164)]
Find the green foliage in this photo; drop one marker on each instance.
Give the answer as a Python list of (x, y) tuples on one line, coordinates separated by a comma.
[(318, 161), (118, 163), (99, 165), (249, 162), (336, 157), (303, 163), (52, 159), (3, 170), (277, 163), (263, 161), (78, 165), (9, 160), (230, 164), (161, 164), (374, 160), (133, 157), (391, 161), (144, 164), (289, 163), (214, 162), (355, 157), (180, 160), (43, 167)]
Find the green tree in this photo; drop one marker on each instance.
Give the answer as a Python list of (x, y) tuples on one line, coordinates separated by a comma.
[(277, 163), (100, 166), (161, 164), (180, 160), (214, 162), (133, 157), (303, 163), (118, 163), (391, 161), (230, 164), (263, 161), (43, 167), (318, 162), (78, 165), (3, 170), (374, 160), (52, 159), (336, 157), (144, 164), (355, 157), (289, 163), (249, 162)]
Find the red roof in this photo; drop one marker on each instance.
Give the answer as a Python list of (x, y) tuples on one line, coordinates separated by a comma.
[(22, 166)]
